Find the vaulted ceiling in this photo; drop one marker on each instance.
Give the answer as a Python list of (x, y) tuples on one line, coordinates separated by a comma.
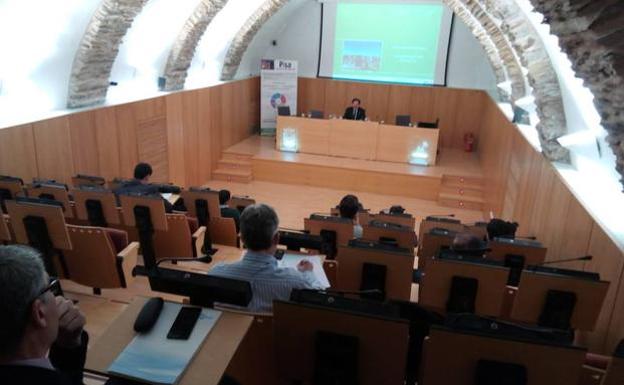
[(591, 32)]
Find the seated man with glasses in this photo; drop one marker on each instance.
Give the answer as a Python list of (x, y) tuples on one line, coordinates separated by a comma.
[(259, 232), (41, 334)]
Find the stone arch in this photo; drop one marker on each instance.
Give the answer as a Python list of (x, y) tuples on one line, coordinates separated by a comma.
[(506, 68), (541, 74), (93, 62), (245, 35), (591, 32), (183, 49)]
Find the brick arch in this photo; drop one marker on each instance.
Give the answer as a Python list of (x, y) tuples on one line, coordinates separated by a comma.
[(541, 74), (93, 62), (591, 32), (183, 49), (245, 35), (471, 14), (506, 67)]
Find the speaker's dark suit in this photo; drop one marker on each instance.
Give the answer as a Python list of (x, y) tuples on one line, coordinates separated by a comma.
[(354, 114)]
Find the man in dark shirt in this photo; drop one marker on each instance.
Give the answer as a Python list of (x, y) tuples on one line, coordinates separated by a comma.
[(226, 211), (355, 112), (34, 322), (140, 185)]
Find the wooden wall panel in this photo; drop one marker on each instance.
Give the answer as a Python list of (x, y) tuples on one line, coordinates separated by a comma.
[(149, 109), (152, 147), (205, 142), (465, 118), (311, 95), (422, 103), (253, 89), (107, 137), (216, 119), (337, 97), (17, 152), (182, 135), (175, 138), (54, 149), (228, 114), (190, 118), (399, 103), (84, 143), (126, 134)]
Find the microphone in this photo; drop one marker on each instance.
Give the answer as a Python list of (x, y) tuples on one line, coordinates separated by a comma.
[(205, 259), (583, 258), (349, 292), (532, 237)]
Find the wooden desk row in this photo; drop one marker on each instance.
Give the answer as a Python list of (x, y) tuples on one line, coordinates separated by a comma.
[(356, 139), (522, 304)]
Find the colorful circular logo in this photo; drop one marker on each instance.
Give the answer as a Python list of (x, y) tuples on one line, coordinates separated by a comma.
[(278, 100)]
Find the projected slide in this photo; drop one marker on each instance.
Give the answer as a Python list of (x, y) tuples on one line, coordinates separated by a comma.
[(387, 42)]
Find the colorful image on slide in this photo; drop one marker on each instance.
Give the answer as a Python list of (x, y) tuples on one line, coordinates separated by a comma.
[(278, 100), (361, 55)]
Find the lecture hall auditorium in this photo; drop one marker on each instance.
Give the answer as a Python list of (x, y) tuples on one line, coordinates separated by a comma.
[(322, 192)]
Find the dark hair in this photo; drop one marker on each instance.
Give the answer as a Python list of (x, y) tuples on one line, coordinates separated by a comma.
[(224, 196), (258, 225), (397, 209), (498, 228), (142, 170), (349, 206), (468, 244), (356, 100)]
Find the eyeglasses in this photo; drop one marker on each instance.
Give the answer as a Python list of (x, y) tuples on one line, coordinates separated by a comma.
[(54, 287)]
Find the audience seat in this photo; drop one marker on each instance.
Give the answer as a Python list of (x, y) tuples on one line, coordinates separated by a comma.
[(254, 363), (317, 114), (183, 238), (223, 231), (100, 258), (403, 120)]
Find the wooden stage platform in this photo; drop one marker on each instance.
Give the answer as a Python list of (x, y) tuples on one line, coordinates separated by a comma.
[(456, 181)]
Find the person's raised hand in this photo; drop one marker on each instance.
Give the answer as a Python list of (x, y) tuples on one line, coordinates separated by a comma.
[(71, 323), (304, 266)]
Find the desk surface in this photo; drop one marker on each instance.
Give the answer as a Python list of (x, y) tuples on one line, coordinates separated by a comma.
[(206, 368)]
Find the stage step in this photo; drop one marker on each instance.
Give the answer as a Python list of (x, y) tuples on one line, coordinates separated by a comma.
[(234, 167), (460, 203), (235, 156), (234, 164), (472, 182), (461, 192), (468, 192), (232, 175)]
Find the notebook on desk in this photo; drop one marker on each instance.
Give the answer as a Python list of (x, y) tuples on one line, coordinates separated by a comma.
[(153, 358), (292, 260)]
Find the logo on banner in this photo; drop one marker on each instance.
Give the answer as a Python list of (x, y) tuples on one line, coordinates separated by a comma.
[(278, 100)]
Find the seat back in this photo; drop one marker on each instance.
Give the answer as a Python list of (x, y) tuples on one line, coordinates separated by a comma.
[(176, 242), (317, 114), (93, 261), (283, 110), (254, 363), (403, 120), (615, 372), (223, 231)]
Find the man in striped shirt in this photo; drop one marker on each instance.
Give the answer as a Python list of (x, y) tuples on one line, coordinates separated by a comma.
[(259, 232)]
